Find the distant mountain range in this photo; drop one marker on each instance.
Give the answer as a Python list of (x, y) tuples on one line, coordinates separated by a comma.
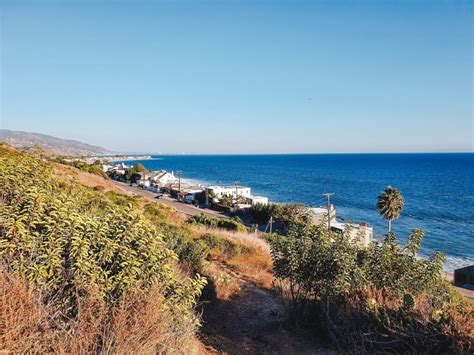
[(51, 145)]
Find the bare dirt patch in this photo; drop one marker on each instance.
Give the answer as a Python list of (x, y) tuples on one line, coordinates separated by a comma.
[(251, 322)]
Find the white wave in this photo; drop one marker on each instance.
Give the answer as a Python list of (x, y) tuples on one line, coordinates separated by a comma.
[(455, 262)]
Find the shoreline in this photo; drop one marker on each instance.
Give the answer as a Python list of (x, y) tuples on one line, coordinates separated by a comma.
[(119, 158), (452, 262), (190, 210)]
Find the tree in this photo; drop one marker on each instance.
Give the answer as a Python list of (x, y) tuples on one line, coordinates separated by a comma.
[(390, 204), (139, 167)]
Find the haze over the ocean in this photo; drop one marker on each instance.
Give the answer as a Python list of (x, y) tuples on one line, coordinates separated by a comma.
[(241, 76)]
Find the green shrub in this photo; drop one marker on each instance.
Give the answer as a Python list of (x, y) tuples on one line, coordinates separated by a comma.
[(190, 252), (226, 247), (380, 298), (262, 213), (121, 200), (154, 213), (97, 170), (137, 168), (212, 241), (232, 249), (66, 241), (224, 223), (92, 168)]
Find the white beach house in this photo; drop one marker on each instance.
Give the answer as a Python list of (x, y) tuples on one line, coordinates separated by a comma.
[(254, 200), (233, 191), (356, 231), (164, 177)]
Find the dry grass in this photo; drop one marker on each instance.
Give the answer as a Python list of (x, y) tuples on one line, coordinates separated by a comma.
[(68, 173), (140, 323), (254, 263), (255, 267), (247, 240), (24, 326), (224, 285)]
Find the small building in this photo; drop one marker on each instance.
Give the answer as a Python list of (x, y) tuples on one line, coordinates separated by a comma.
[(122, 166), (360, 232), (164, 177), (106, 167), (143, 183), (190, 195), (320, 214), (464, 277), (255, 200), (232, 191)]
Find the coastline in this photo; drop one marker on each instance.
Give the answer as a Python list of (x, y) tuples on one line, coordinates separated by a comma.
[(120, 158), (190, 210), (219, 171)]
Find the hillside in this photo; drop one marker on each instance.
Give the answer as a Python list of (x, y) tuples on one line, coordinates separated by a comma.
[(51, 145), (88, 268)]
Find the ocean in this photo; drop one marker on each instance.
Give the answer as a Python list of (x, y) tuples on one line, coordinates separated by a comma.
[(438, 189)]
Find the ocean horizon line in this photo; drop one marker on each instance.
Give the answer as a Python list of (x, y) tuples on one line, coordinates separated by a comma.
[(295, 154)]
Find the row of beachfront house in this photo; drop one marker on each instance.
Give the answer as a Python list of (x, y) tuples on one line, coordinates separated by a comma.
[(166, 182)]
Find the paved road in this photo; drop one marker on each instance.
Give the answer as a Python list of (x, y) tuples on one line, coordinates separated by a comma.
[(190, 210)]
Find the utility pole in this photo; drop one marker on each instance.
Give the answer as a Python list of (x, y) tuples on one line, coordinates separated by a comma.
[(328, 195), (271, 224), (179, 173)]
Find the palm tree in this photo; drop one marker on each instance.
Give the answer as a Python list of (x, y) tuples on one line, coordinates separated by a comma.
[(390, 204)]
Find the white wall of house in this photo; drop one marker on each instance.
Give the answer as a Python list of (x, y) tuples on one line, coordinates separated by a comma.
[(164, 178), (144, 183), (254, 200), (360, 232), (233, 191), (320, 214), (106, 167)]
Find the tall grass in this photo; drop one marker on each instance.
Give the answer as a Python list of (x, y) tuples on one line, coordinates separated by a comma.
[(139, 323)]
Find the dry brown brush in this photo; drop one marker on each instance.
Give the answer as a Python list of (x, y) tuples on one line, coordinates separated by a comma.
[(140, 322)]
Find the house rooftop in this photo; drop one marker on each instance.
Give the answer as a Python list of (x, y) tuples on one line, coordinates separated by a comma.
[(227, 187)]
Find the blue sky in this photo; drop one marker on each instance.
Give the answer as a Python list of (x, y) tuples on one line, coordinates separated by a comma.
[(241, 76)]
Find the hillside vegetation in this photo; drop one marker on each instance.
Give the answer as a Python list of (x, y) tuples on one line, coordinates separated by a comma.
[(87, 269), (380, 298), (89, 272)]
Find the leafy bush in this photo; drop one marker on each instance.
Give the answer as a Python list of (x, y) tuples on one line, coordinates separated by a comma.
[(65, 242), (381, 298), (122, 200), (283, 214), (225, 247), (190, 252), (82, 166), (137, 168), (224, 223), (213, 241), (153, 213), (262, 213)]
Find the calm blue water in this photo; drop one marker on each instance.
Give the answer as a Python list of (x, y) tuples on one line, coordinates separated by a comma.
[(438, 189)]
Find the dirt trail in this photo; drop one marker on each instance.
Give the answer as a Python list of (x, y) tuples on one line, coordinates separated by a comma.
[(251, 323)]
